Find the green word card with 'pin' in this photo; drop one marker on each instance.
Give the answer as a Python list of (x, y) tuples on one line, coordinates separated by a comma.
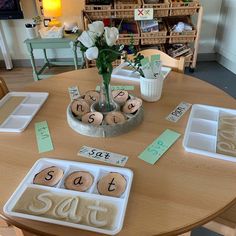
[(154, 151)]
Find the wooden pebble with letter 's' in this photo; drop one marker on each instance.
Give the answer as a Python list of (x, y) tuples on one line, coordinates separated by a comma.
[(49, 176)]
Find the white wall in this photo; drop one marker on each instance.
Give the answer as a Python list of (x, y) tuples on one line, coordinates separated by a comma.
[(226, 35), (15, 31), (209, 25)]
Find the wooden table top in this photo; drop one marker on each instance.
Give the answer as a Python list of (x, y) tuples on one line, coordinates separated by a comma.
[(181, 191)]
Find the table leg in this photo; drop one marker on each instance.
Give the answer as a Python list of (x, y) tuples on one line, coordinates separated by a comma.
[(74, 49), (46, 58), (35, 73)]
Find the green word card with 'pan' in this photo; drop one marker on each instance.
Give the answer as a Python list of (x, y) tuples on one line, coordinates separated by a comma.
[(155, 150)]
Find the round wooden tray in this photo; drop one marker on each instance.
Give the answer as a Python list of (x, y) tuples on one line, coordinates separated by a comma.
[(105, 130)]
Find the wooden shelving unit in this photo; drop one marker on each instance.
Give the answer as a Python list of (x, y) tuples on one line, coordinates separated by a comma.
[(167, 11)]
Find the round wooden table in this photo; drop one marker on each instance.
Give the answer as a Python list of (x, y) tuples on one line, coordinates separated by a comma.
[(181, 191)]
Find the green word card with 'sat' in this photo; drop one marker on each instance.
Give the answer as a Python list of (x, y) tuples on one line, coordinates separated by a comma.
[(160, 145)]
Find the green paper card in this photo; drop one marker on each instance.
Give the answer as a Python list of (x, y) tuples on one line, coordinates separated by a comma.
[(154, 151), (118, 87), (43, 137)]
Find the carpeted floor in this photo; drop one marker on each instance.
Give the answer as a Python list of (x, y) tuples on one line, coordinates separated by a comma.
[(215, 74)]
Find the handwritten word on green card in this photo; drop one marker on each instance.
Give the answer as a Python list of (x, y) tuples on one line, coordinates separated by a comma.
[(43, 137), (118, 87), (154, 151)]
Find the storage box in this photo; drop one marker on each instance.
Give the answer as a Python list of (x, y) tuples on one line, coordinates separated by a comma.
[(179, 7), (155, 37), (125, 8), (183, 37), (161, 9), (98, 11)]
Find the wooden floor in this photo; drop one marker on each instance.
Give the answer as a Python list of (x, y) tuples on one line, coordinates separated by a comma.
[(20, 77)]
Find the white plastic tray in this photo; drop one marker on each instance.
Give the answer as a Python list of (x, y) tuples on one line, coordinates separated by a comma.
[(69, 166), (120, 73), (201, 132), (18, 120)]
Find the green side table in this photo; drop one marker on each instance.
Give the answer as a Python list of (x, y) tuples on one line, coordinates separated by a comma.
[(68, 41)]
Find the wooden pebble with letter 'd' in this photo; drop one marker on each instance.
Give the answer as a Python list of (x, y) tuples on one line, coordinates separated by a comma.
[(49, 176)]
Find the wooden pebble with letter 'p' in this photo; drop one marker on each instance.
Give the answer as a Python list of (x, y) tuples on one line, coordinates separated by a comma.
[(93, 118), (112, 184), (120, 96), (49, 176), (79, 181), (80, 107)]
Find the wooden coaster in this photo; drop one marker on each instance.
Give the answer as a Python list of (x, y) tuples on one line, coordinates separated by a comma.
[(93, 118), (132, 105), (120, 96), (113, 184), (115, 117), (79, 181), (91, 97), (49, 176), (80, 107)]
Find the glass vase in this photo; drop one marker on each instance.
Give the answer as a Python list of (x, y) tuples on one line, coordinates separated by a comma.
[(106, 102)]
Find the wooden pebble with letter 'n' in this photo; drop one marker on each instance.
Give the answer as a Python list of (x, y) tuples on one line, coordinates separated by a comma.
[(127, 115)]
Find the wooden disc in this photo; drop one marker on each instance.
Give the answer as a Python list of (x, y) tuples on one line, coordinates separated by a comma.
[(132, 105), (91, 97), (79, 181), (120, 96), (79, 107), (49, 176), (114, 117), (113, 184), (93, 118)]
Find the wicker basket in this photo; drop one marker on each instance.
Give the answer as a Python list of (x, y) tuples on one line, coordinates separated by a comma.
[(160, 9), (183, 37), (154, 37), (124, 38), (179, 7), (125, 8), (97, 12)]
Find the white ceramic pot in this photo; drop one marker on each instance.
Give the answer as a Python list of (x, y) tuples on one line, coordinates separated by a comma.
[(32, 32), (151, 89)]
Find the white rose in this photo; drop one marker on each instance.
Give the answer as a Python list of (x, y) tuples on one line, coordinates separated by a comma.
[(87, 38), (97, 27), (111, 35), (92, 53)]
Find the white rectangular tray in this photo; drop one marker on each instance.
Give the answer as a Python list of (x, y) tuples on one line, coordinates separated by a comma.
[(18, 120), (70, 166), (202, 128), (124, 74)]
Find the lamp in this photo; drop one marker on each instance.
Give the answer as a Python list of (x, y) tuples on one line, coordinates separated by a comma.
[(52, 8)]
